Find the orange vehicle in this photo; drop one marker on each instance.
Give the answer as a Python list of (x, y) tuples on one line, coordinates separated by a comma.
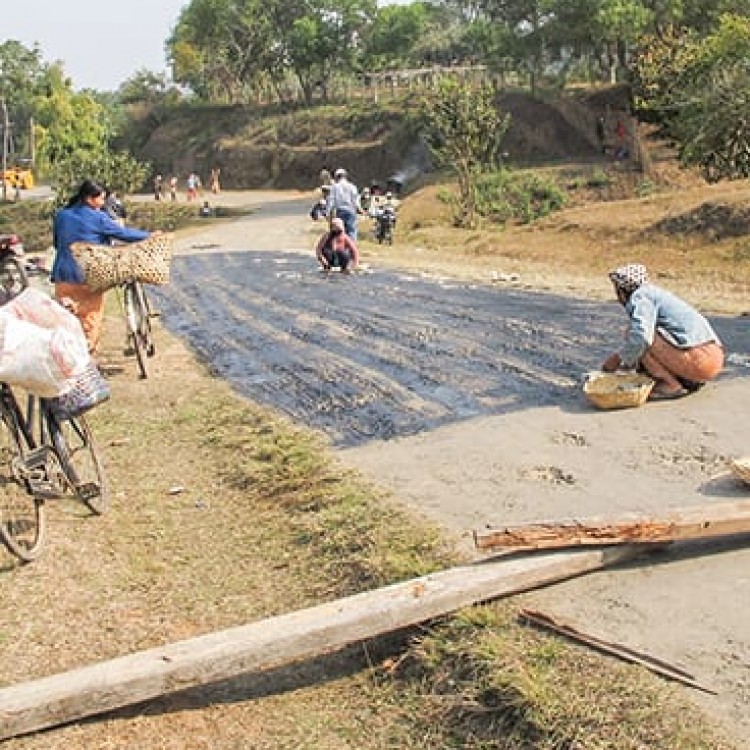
[(19, 177)]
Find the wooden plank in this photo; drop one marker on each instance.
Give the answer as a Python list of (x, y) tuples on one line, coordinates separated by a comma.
[(697, 522), (97, 688), (657, 666)]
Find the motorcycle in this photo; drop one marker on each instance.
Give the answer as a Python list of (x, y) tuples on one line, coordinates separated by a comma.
[(13, 276), (385, 224)]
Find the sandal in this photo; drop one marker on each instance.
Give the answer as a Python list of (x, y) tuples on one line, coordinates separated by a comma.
[(668, 395), (691, 385)]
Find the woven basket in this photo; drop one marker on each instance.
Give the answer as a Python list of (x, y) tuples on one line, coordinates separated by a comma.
[(89, 390), (107, 266), (617, 390), (741, 469)]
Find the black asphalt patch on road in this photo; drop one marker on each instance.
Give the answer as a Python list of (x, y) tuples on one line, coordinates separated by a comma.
[(385, 354)]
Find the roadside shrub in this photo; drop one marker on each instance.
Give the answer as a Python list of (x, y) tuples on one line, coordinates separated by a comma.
[(598, 179), (521, 196)]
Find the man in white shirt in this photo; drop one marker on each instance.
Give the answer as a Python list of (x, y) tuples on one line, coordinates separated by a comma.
[(343, 202)]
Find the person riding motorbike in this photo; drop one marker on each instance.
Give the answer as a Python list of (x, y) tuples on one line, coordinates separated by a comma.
[(385, 219)]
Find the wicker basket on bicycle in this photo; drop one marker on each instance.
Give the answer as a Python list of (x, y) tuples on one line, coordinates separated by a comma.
[(107, 266)]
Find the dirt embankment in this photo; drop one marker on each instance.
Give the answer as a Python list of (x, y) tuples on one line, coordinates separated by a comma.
[(373, 140)]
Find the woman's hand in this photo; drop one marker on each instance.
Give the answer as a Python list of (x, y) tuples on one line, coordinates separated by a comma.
[(611, 363)]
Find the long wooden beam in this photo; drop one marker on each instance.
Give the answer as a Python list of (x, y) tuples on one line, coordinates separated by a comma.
[(101, 687), (697, 522)]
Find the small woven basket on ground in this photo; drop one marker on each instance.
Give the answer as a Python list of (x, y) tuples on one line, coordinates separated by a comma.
[(89, 390), (617, 390), (107, 266), (741, 469)]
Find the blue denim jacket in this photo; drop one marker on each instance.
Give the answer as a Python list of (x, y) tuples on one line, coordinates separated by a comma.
[(651, 310), (81, 223)]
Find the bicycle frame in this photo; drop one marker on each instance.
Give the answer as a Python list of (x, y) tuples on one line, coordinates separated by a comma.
[(138, 323)]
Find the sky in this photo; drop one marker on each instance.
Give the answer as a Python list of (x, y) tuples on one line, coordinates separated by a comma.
[(99, 44)]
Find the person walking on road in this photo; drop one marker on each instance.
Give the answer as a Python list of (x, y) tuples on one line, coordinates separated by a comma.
[(343, 202)]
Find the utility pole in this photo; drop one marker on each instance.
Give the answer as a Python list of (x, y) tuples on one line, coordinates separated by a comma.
[(6, 126), (32, 144)]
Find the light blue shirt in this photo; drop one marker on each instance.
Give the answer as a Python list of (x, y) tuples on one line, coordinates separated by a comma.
[(654, 310)]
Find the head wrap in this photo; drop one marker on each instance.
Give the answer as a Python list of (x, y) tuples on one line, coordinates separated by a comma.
[(629, 278), (337, 224)]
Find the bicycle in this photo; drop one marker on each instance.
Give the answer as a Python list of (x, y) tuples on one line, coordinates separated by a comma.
[(48, 455), (47, 452), (138, 314)]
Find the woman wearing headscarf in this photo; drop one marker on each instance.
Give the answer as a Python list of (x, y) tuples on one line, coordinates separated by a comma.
[(666, 337), (83, 220)]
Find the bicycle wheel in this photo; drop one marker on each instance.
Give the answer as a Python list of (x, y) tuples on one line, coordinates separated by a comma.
[(22, 516), (80, 460), (134, 315), (146, 334)]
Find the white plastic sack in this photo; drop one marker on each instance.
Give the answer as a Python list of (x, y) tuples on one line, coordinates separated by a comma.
[(34, 306), (40, 360)]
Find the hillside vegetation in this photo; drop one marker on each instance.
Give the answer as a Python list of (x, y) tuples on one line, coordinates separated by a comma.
[(270, 148)]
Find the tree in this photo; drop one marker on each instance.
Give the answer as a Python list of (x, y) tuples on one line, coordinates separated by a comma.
[(22, 72), (697, 87), (464, 130), (394, 34)]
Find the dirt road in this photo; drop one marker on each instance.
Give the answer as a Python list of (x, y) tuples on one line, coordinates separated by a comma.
[(465, 401)]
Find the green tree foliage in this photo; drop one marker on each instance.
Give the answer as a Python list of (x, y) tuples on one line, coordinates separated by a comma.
[(464, 130), (22, 74), (394, 35), (699, 88), (220, 48), (324, 41), (227, 50)]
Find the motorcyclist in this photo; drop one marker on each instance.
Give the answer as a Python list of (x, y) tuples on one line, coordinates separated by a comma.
[(385, 218), (320, 207)]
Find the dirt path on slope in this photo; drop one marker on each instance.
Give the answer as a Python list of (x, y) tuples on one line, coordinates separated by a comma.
[(465, 401)]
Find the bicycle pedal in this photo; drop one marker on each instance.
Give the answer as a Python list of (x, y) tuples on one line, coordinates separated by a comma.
[(88, 490), (43, 488), (38, 458)]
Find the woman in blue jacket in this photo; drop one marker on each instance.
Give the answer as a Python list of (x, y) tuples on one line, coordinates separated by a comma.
[(83, 220), (666, 337)]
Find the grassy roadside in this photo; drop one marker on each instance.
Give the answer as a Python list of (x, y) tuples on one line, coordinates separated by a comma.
[(693, 239), (224, 513)]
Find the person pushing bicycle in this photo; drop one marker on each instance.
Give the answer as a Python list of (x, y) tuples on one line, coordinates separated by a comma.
[(83, 220)]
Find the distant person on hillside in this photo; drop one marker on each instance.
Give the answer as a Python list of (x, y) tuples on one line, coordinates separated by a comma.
[(621, 134), (324, 178), (192, 186), (336, 249), (158, 187), (215, 186), (667, 338), (173, 188), (601, 133), (343, 202)]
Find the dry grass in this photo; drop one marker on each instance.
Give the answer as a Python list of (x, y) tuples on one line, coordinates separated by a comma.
[(571, 251)]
